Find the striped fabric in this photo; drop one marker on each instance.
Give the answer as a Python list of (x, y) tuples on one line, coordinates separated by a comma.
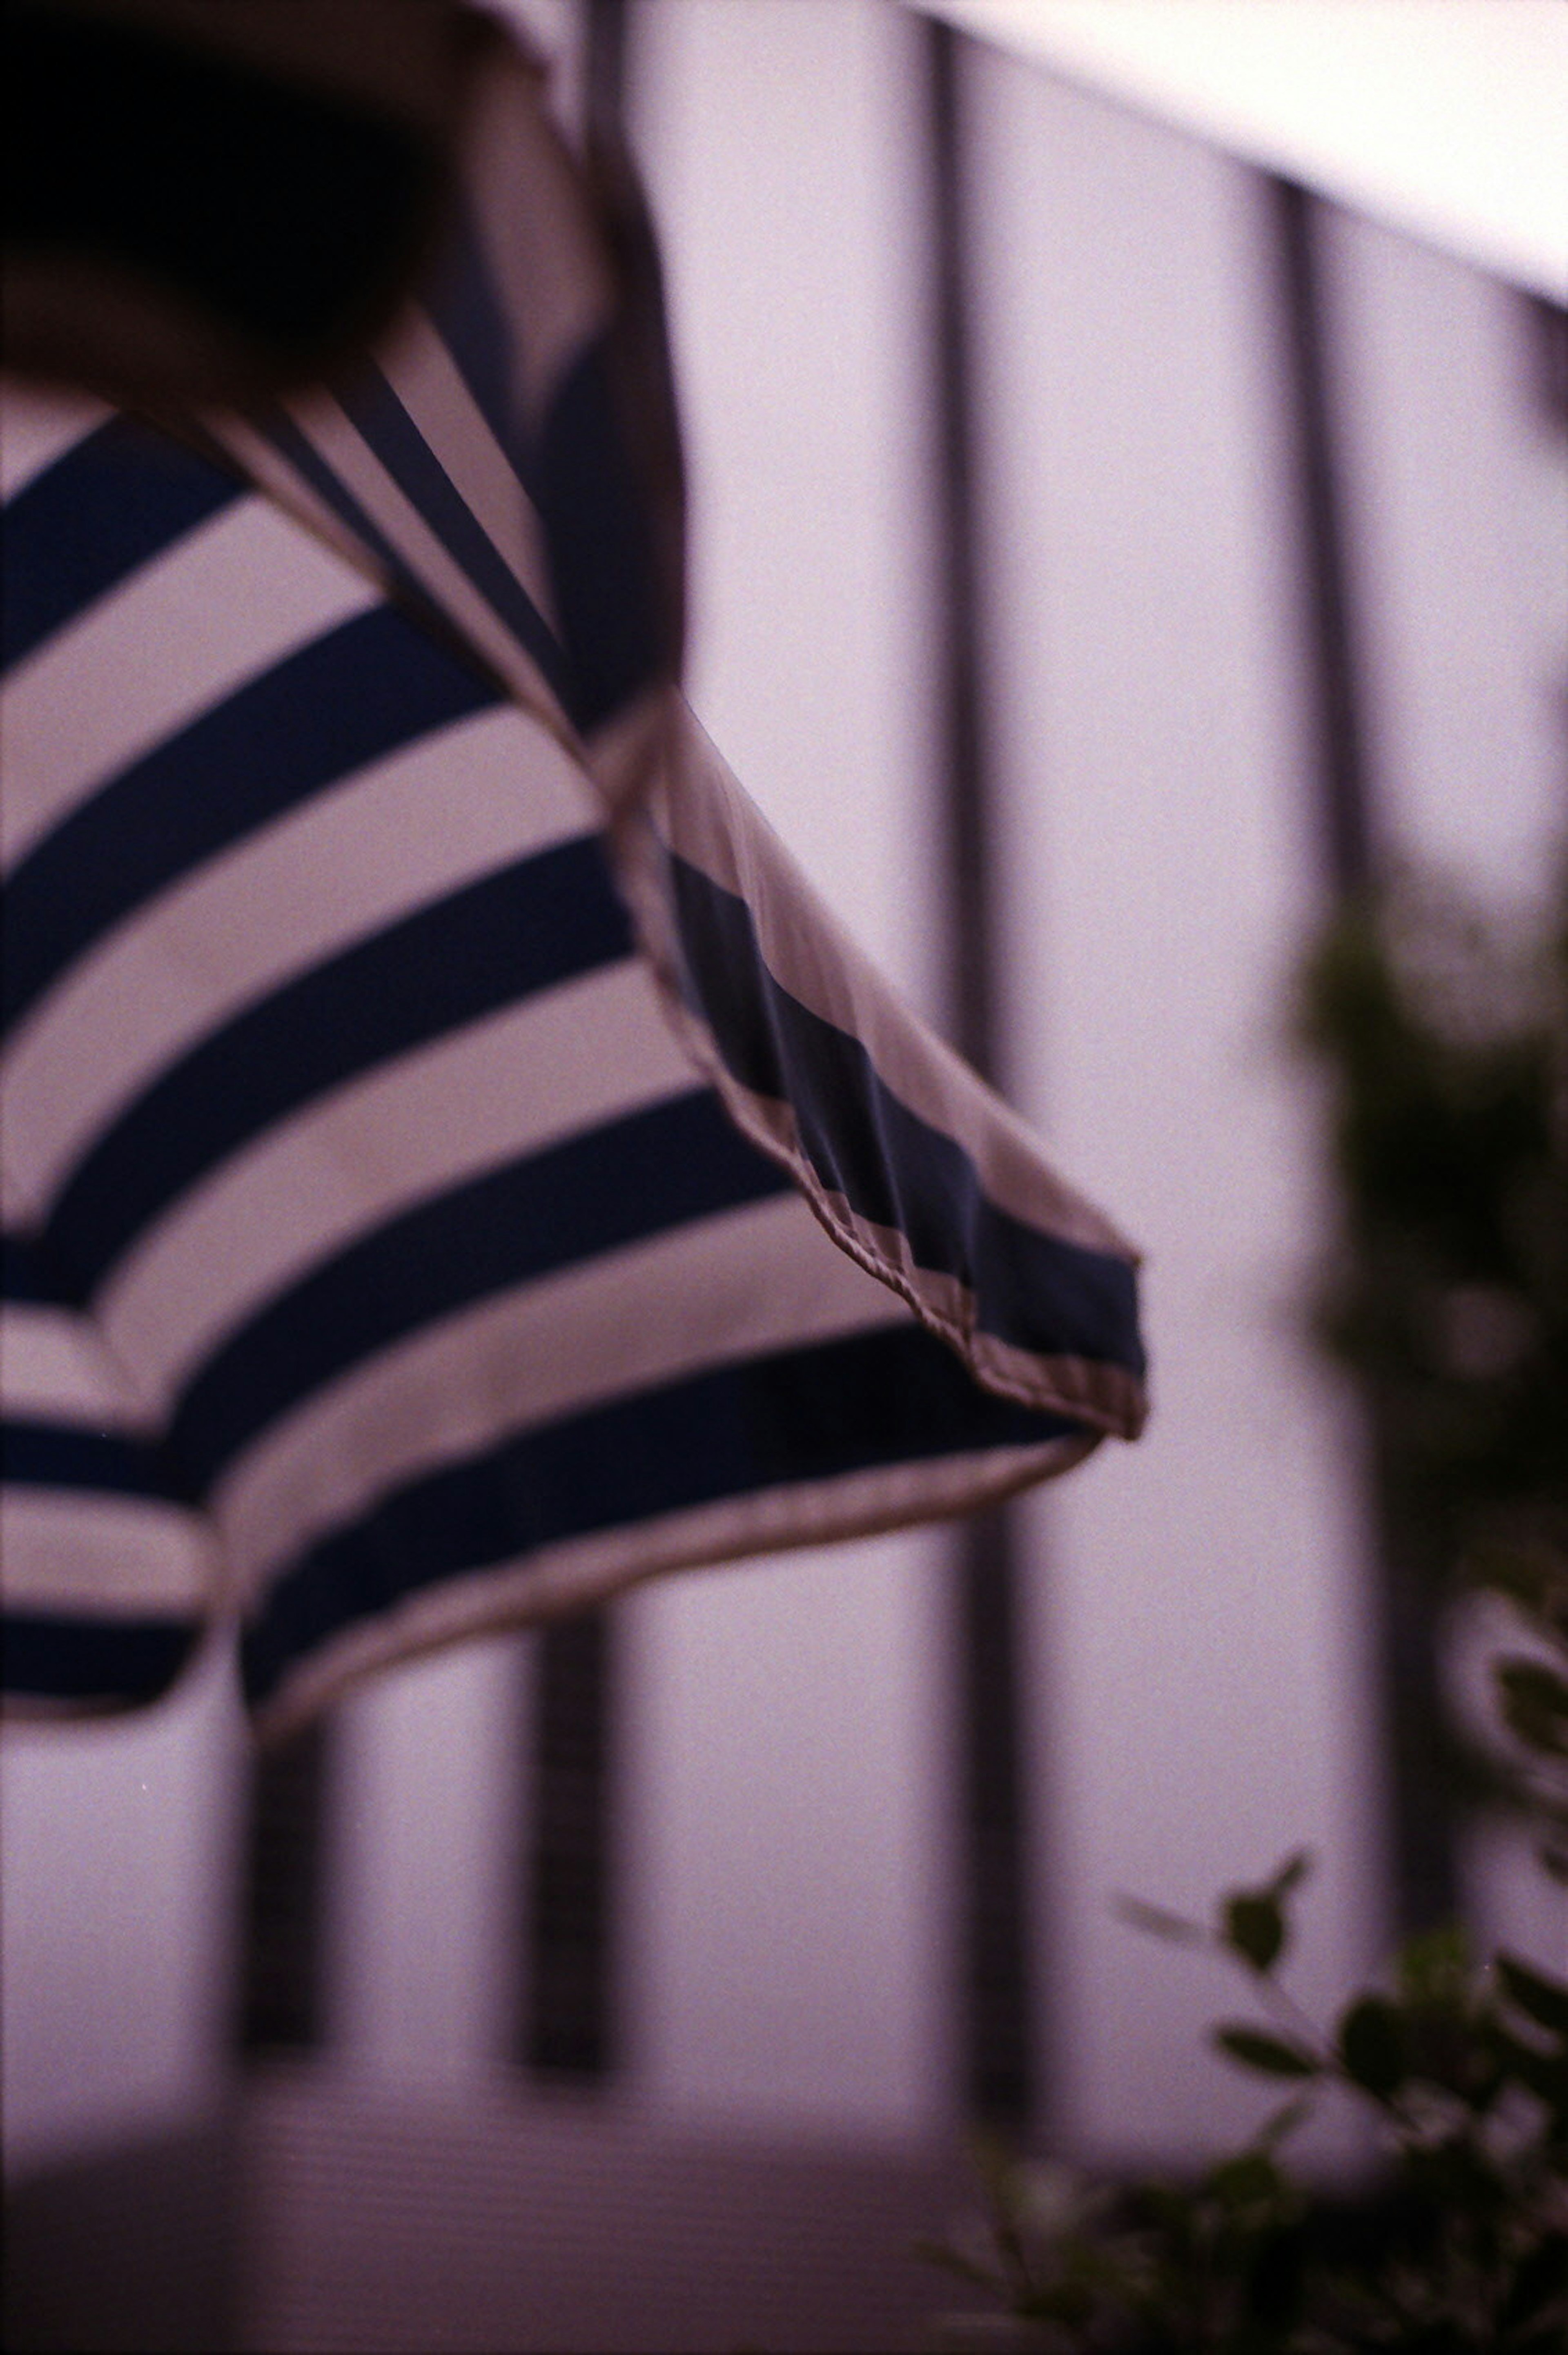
[(452, 1167)]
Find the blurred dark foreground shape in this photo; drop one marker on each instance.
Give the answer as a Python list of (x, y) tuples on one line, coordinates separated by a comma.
[(220, 204)]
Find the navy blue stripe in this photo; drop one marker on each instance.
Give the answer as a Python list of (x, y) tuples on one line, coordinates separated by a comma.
[(26, 1278), (895, 1395), (532, 924), (604, 569), (67, 1455), (381, 416), (619, 1184), (106, 1660), (112, 503), (1030, 1289), (363, 691)]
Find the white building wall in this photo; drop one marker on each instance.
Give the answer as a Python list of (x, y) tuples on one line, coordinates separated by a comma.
[(118, 1921), (1198, 1669), (1459, 527), (426, 1802), (1199, 1696), (790, 1785)]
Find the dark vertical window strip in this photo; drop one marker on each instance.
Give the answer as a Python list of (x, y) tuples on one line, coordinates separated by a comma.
[(281, 1993), (1425, 1879), (605, 49), (1545, 327), (606, 478), (1001, 2072), (566, 2027), (1337, 714)]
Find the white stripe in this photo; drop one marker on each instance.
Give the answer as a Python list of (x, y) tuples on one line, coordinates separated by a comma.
[(445, 810), (37, 427), (231, 599), (723, 1289), (589, 1569), (263, 463), (71, 1551), (563, 1061), (54, 1367), (427, 381)]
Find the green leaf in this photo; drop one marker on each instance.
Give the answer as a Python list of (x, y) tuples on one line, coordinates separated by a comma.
[(1457, 2177), (1553, 1857), (1071, 2303), (1283, 2123), (1292, 1872), (954, 2261), (1545, 2000), (1535, 1702), (1252, 1921), (1372, 2047), (1434, 1970), (1545, 2074), (1253, 1925), (1541, 2278), (1159, 1923), (1250, 2179), (1274, 2288), (1269, 2054), (1546, 2338), (997, 2170)]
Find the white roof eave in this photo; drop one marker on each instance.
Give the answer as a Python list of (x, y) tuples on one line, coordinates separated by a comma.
[(1447, 119)]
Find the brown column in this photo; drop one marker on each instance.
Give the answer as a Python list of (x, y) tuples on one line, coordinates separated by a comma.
[(1000, 2064), (1404, 1593)]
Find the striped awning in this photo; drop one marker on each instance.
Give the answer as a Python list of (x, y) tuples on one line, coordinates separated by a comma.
[(453, 1166)]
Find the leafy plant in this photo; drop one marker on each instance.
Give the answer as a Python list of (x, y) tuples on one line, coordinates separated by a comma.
[(1463, 2068), (1447, 1045), (1445, 1042)]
